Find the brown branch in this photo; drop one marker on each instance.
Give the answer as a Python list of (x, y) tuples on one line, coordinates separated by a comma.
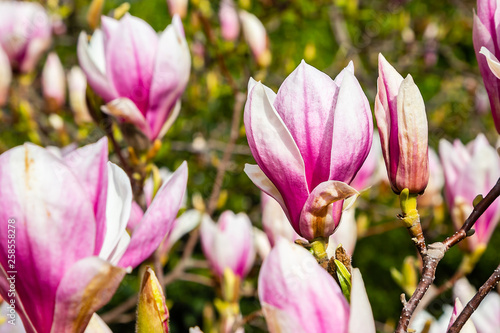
[(112, 315), (478, 210), (221, 169), (475, 301), (435, 253), (186, 256)]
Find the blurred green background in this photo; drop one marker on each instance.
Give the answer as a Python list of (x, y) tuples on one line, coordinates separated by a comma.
[(431, 40)]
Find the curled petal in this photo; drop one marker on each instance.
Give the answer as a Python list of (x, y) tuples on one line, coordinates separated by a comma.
[(492, 61), (87, 286), (125, 110), (322, 211), (360, 305)]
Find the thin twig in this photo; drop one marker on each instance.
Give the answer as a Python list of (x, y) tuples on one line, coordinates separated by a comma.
[(435, 253), (112, 315), (475, 301), (221, 169), (478, 210)]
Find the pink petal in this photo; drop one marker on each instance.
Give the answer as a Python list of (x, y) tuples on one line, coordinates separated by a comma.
[(386, 113), (130, 60), (87, 286), (275, 151), (125, 110), (158, 219), (323, 209), (305, 102), (36, 187), (291, 280), (352, 130), (96, 76), (89, 165), (171, 74)]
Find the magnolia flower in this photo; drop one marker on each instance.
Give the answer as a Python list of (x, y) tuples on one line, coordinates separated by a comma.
[(367, 174), (178, 7), (140, 75), (54, 82), (402, 124), (229, 21), (78, 205), (5, 77), (309, 141), (228, 244), (77, 86), (274, 221), (256, 37), (298, 295), (485, 37), (25, 33), (468, 171), (432, 195)]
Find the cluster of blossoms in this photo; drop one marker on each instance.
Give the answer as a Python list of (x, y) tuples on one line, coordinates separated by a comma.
[(80, 229)]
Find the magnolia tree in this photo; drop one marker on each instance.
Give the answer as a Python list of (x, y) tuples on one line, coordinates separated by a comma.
[(95, 229)]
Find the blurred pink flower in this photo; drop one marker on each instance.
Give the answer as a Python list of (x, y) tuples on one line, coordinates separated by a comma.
[(140, 75), (178, 7), (5, 77), (54, 82), (298, 295), (229, 21), (309, 141), (432, 195), (471, 170), (229, 243), (256, 37), (77, 87), (485, 37), (76, 204), (402, 124), (367, 174), (25, 33)]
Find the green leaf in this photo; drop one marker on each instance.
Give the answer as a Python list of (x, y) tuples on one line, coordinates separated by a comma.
[(344, 279)]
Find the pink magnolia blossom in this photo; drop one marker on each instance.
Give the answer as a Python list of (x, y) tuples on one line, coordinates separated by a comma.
[(229, 243), (485, 37), (229, 21), (345, 235), (178, 7), (25, 33), (309, 140), (432, 195), (402, 124), (471, 170), (256, 37), (77, 87), (139, 74), (5, 77), (54, 82), (76, 204), (298, 295), (367, 174)]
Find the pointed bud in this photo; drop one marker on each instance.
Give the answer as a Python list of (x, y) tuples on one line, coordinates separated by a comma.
[(152, 312), (5, 76), (94, 13), (229, 21), (77, 86), (256, 37), (54, 82), (178, 7), (402, 123)]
